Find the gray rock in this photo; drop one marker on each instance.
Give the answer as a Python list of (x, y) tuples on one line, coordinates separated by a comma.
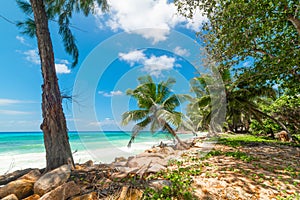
[(144, 161), (118, 175), (156, 168), (143, 170), (145, 154), (62, 192), (127, 170), (52, 179), (120, 159), (89, 163), (119, 164), (130, 158), (159, 184)]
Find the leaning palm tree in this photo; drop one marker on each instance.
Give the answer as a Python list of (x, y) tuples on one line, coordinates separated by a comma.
[(54, 127), (242, 102), (157, 108)]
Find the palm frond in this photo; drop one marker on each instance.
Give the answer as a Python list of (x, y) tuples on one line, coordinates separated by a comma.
[(137, 128), (145, 80), (25, 7), (184, 97), (174, 118), (187, 123), (133, 115), (171, 103), (129, 92), (103, 4), (27, 27), (203, 101), (162, 92), (66, 33)]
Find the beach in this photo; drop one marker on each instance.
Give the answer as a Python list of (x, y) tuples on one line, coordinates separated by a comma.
[(21, 150)]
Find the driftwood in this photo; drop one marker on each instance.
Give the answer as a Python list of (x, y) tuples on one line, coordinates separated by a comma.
[(6, 178)]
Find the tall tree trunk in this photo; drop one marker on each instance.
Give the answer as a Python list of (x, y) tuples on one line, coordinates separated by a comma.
[(58, 151), (169, 128)]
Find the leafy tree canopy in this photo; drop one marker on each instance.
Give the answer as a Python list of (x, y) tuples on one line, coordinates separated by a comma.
[(264, 33)]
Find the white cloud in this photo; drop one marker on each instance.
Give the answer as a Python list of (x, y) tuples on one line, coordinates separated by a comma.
[(13, 112), (8, 101), (181, 51), (154, 65), (158, 16), (111, 93), (105, 122), (32, 56), (5, 102), (62, 61), (133, 56), (196, 22), (62, 69), (21, 39)]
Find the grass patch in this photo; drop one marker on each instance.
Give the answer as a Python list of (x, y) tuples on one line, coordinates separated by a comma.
[(180, 185), (236, 154), (295, 196), (246, 139)]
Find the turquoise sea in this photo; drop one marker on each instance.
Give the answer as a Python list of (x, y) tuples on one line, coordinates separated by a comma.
[(19, 150)]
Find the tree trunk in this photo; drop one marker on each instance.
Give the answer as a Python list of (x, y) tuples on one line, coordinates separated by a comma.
[(169, 128), (275, 120), (58, 151), (296, 23)]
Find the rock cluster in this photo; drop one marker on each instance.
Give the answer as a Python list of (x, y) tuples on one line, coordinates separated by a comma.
[(50, 186), (150, 161), (60, 183)]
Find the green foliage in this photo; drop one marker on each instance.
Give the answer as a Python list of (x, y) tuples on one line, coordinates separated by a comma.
[(240, 155), (264, 33), (180, 185), (242, 139), (180, 177), (242, 103), (286, 109), (60, 12), (295, 196), (236, 154), (157, 107)]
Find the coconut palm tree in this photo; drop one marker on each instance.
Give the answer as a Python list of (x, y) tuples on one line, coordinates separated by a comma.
[(157, 107), (58, 151), (242, 102)]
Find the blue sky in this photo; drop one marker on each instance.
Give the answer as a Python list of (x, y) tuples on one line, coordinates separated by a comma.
[(135, 38)]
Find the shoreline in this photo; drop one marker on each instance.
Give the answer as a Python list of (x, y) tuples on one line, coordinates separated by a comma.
[(206, 169), (13, 162)]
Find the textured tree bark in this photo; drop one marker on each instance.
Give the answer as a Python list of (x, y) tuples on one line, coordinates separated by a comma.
[(172, 132), (296, 23), (58, 151)]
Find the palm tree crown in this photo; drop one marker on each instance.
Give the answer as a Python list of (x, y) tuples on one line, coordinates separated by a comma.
[(157, 108), (242, 103)]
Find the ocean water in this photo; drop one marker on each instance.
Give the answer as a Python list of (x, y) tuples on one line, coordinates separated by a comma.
[(20, 150)]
